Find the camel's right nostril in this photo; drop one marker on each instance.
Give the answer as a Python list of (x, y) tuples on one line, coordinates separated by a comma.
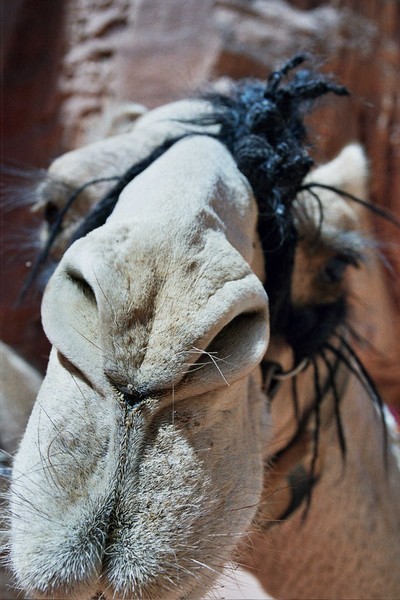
[(234, 351)]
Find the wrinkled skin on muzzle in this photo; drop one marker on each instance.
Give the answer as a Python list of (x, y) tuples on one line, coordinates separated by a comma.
[(141, 467)]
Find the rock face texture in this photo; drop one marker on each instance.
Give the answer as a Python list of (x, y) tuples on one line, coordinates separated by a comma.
[(66, 63)]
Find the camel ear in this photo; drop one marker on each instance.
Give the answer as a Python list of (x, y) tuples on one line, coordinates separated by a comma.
[(329, 226), (348, 171), (118, 119)]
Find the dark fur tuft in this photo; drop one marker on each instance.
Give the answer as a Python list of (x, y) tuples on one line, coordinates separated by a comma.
[(262, 126)]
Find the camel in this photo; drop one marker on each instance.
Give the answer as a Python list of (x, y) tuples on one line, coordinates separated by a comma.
[(164, 441)]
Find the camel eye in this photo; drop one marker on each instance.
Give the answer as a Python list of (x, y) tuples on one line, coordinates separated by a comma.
[(336, 266), (82, 285), (51, 213)]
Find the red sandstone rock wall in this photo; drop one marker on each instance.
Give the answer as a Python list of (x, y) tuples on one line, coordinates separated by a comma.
[(66, 62)]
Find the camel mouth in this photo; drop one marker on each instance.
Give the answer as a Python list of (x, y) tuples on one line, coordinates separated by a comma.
[(125, 540)]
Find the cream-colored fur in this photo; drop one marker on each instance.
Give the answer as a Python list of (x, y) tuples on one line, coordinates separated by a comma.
[(165, 302)]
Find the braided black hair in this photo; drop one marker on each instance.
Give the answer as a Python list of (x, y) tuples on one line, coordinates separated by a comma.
[(262, 125)]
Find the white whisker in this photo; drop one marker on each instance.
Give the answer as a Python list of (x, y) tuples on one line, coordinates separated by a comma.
[(214, 361)]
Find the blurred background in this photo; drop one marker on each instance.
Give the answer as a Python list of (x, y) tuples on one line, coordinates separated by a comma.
[(67, 62)]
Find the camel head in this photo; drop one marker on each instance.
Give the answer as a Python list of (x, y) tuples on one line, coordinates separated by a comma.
[(157, 324), (143, 463)]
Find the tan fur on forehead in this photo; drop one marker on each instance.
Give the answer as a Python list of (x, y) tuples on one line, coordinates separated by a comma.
[(112, 156)]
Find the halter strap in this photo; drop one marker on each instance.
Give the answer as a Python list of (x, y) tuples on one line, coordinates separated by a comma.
[(274, 375)]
